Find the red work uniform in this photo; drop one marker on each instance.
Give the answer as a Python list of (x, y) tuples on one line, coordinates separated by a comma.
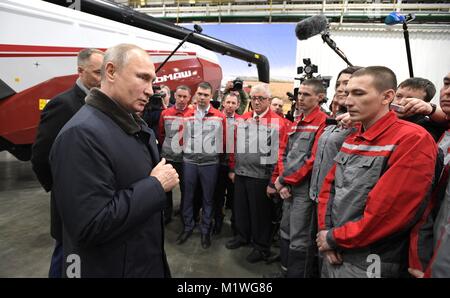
[(374, 194)]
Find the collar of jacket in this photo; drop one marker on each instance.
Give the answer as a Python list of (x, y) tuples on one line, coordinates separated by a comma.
[(211, 112), (80, 85), (267, 114), (310, 116), (99, 100), (177, 111), (378, 127), (81, 95)]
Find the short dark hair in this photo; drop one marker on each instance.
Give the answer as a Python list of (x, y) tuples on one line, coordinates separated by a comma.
[(349, 70), (183, 87), (232, 93), (316, 84), (420, 84), (383, 78), (205, 85)]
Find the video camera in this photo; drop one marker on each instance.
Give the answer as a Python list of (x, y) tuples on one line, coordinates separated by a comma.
[(156, 100), (237, 84), (308, 71)]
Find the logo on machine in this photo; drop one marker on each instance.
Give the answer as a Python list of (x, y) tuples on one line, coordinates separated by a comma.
[(175, 76)]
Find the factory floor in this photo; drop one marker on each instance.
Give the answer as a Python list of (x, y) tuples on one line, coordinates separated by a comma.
[(26, 245)]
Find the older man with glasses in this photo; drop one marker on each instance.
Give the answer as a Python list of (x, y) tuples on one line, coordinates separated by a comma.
[(260, 134)]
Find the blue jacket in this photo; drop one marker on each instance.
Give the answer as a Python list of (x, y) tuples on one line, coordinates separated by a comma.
[(110, 207)]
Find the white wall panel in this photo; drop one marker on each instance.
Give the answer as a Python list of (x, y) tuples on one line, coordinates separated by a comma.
[(430, 53)]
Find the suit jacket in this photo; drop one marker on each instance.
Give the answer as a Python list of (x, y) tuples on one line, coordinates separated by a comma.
[(56, 113), (110, 207)]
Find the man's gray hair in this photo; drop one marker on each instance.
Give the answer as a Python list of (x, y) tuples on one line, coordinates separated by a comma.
[(85, 54), (119, 55), (261, 88)]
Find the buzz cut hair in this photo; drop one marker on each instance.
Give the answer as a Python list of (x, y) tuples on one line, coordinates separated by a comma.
[(383, 77), (316, 84), (420, 84), (205, 85)]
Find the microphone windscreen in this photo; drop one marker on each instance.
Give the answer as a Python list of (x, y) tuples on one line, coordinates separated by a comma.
[(394, 18), (311, 26)]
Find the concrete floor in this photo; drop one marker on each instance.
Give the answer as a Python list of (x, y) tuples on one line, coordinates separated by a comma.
[(26, 245)]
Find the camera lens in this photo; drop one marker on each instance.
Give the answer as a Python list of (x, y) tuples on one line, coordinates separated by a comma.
[(308, 69)]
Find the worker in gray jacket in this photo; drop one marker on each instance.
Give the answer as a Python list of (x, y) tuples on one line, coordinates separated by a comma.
[(333, 136)]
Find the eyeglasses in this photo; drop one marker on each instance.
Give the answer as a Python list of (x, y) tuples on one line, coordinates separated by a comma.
[(258, 98)]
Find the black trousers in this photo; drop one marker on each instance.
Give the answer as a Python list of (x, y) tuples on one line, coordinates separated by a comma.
[(224, 187), (253, 211)]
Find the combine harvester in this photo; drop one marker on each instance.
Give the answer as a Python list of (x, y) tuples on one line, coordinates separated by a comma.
[(39, 42)]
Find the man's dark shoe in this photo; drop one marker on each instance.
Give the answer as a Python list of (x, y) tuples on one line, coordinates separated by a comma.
[(257, 255), (273, 258), (206, 241), (184, 236), (235, 243)]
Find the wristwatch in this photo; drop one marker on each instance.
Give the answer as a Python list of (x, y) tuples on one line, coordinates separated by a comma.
[(433, 109)]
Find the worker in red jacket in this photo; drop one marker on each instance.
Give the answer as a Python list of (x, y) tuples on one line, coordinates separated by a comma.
[(170, 129), (430, 239), (379, 186), (291, 179), (225, 187)]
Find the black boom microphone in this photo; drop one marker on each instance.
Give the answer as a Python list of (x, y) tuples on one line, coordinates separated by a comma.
[(311, 26), (314, 25)]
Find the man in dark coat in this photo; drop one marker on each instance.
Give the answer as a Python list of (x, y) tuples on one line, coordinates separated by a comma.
[(55, 114), (108, 185)]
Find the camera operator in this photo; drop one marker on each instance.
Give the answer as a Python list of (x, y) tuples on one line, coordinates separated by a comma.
[(237, 86), (293, 112), (167, 96), (153, 110)]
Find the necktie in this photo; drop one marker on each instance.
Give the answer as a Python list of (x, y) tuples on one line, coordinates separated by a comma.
[(257, 119)]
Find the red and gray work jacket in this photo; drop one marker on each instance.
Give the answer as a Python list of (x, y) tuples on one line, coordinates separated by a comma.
[(377, 190), (296, 161), (171, 125), (430, 243), (257, 145), (204, 137)]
